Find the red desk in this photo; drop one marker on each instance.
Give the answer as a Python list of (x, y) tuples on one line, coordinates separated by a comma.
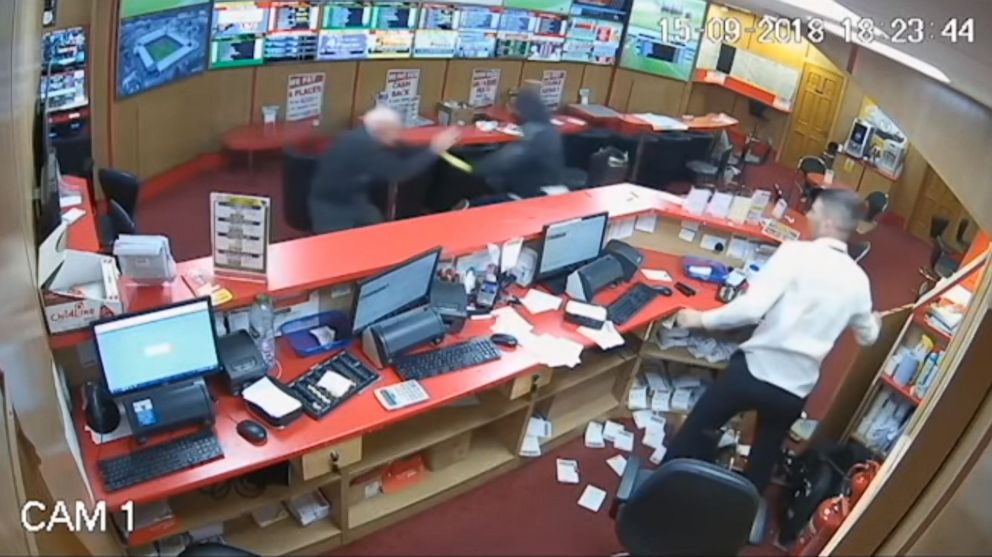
[(83, 234), (252, 138), (631, 124)]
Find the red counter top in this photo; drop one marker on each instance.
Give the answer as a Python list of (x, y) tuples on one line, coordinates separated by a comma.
[(83, 235)]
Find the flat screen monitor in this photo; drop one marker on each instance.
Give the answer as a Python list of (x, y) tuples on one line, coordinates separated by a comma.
[(64, 48), (545, 49), (507, 47), (394, 15), (293, 16), (64, 90), (549, 6), (478, 18), (403, 287), (343, 44), (390, 43), (517, 22), (475, 44), (237, 34), (435, 43), (161, 47), (611, 10), (348, 15), (671, 54), (134, 8), (571, 243), (592, 40), (158, 347), (292, 32)]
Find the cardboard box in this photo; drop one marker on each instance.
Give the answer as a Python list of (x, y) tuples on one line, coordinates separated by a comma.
[(77, 287), (269, 514), (309, 508), (328, 459), (403, 473), (451, 113), (446, 453), (366, 486)]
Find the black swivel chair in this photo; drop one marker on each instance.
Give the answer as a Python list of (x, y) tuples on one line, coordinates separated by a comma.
[(113, 224), (686, 507), (713, 171), (298, 169), (810, 165), (607, 166), (121, 187), (662, 159), (214, 549), (579, 147), (945, 259), (830, 154)]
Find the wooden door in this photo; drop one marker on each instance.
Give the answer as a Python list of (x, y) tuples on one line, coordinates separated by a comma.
[(936, 200), (819, 96)]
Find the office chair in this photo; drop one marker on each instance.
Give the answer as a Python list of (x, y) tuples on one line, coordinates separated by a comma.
[(876, 203), (298, 169), (113, 224), (705, 170), (830, 154), (699, 149), (121, 187), (607, 166), (810, 165), (686, 507), (213, 549)]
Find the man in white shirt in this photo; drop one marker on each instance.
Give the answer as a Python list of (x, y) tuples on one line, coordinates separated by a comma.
[(802, 300)]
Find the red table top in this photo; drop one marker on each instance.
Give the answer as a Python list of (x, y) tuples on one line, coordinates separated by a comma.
[(363, 413), (472, 135), (360, 252), (83, 235), (629, 123), (268, 137)]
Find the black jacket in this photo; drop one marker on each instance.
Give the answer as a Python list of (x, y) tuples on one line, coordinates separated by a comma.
[(349, 170), (536, 160)]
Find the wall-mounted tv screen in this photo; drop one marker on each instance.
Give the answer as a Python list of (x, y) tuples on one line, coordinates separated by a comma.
[(347, 15), (592, 40), (656, 44), (343, 44), (390, 43), (394, 15), (515, 29), (548, 37), (551, 6), (292, 31), (161, 47), (477, 28), (612, 10), (63, 48), (437, 35), (134, 8), (65, 90), (237, 34)]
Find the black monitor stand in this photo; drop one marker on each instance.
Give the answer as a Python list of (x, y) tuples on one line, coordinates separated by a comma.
[(168, 407)]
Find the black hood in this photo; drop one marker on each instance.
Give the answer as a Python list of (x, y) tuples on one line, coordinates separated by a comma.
[(531, 109)]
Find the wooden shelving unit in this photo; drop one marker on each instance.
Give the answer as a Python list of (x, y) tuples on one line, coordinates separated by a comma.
[(283, 537), (901, 389), (652, 351)]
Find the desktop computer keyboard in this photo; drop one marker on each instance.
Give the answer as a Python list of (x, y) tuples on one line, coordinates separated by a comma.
[(159, 460), (318, 401), (443, 360), (630, 303)]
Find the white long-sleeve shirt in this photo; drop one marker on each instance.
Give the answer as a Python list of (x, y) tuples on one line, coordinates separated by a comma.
[(803, 299)]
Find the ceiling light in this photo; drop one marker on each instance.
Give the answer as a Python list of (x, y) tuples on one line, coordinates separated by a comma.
[(907, 60)]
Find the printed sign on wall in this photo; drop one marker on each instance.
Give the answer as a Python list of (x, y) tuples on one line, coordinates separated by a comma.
[(552, 87), (484, 86), (304, 96)]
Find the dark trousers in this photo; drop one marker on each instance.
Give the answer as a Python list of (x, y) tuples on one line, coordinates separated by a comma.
[(735, 391)]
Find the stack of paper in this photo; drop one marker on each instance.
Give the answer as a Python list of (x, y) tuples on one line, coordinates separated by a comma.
[(271, 399), (654, 432), (594, 436), (592, 498), (617, 463), (719, 205), (509, 322), (623, 440), (567, 471), (696, 201), (698, 345), (550, 350), (537, 428), (637, 397), (537, 301)]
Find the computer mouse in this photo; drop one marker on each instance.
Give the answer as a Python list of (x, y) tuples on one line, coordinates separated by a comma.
[(253, 432), (504, 339)]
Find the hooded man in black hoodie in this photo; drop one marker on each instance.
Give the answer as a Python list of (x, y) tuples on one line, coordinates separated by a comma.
[(521, 168)]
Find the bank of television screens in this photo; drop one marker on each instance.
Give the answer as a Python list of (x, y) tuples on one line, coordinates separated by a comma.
[(393, 26), (344, 33), (671, 54), (63, 72), (292, 31), (437, 35), (477, 30), (160, 41)]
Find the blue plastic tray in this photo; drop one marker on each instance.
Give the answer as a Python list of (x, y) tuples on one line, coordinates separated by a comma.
[(297, 332)]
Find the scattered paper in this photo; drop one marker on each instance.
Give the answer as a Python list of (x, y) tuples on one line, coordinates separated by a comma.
[(695, 203), (510, 322), (617, 463), (494, 255), (551, 350), (637, 398), (510, 254), (606, 337), (744, 450), (621, 229), (654, 432), (688, 231), (336, 384), (661, 401), (759, 201), (624, 440), (641, 418), (610, 430), (539, 427), (568, 471), (681, 400), (70, 199), (646, 223), (728, 439), (713, 243), (658, 455), (594, 436), (537, 301), (592, 498), (719, 205), (657, 382), (656, 275), (531, 447), (72, 215)]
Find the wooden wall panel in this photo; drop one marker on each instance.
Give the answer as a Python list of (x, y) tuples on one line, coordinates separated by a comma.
[(597, 79), (650, 93), (372, 80), (459, 77), (271, 82), (573, 77), (71, 14)]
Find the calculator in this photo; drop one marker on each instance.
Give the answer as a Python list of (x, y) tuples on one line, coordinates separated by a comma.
[(401, 395)]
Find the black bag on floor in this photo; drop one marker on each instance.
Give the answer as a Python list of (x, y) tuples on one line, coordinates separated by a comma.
[(817, 474)]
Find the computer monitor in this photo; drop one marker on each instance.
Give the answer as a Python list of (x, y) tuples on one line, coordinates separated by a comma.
[(63, 48), (403, 287), (158, 347), (64, 90), (570, 243), (292, 32), (237, 34)]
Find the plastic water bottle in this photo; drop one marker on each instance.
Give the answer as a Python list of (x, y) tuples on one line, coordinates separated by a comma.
[(262, 328)]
